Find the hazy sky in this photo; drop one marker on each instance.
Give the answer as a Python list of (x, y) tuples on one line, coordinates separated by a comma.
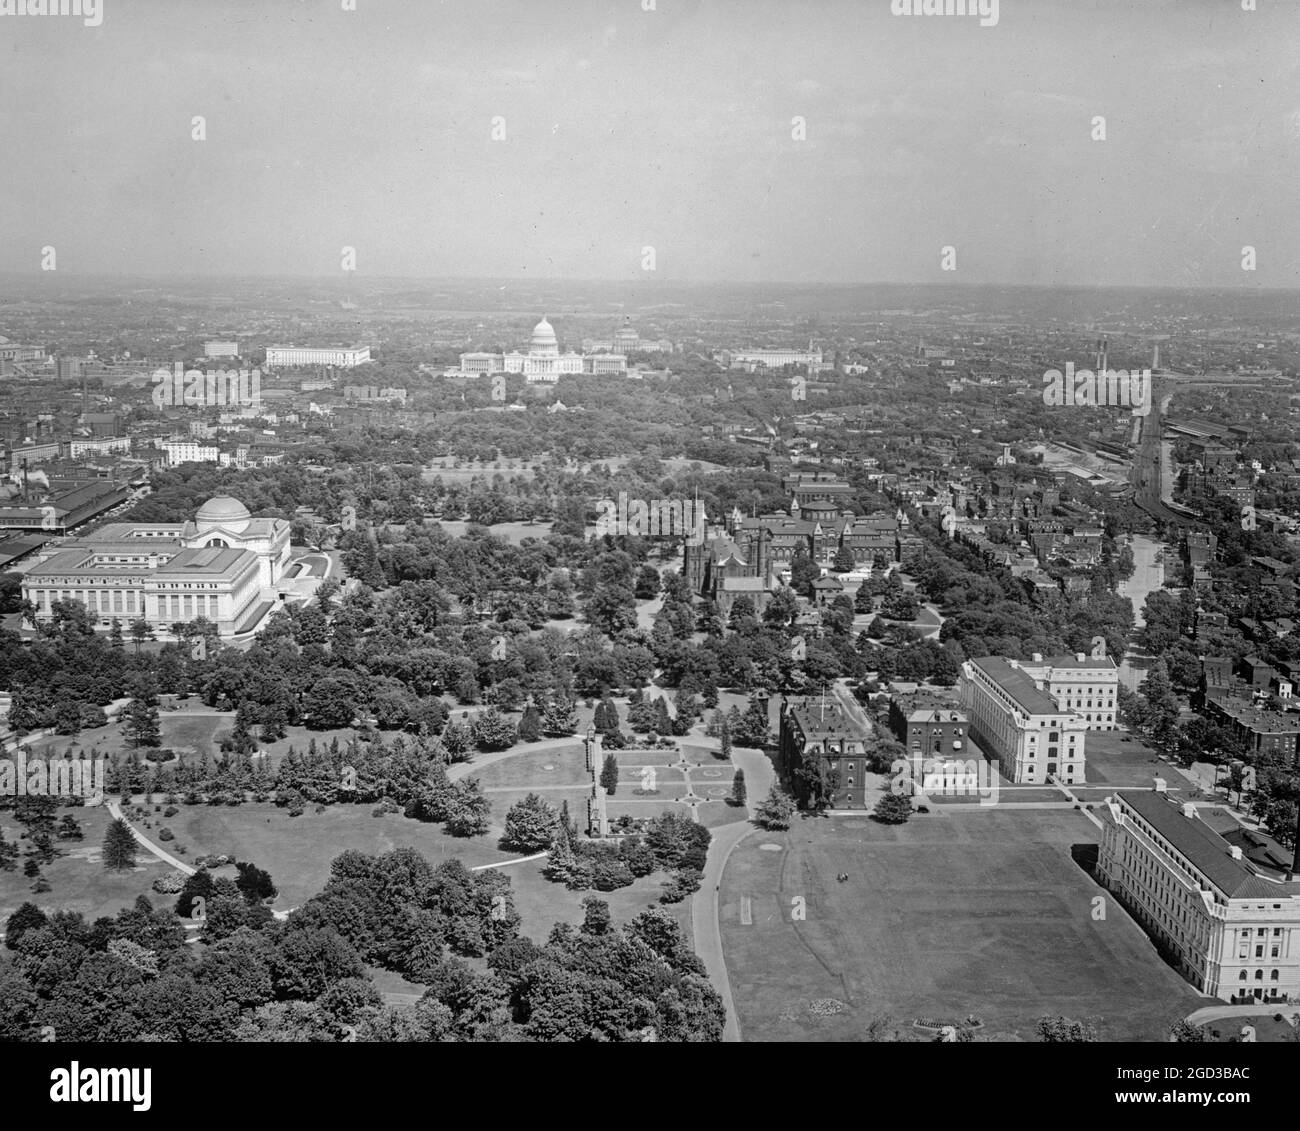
[(670, 128)]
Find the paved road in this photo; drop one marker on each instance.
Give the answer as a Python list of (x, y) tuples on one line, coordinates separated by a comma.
[(706, 926)]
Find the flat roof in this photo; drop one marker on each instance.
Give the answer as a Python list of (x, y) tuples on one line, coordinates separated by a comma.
[(75, 562), (206, 563)]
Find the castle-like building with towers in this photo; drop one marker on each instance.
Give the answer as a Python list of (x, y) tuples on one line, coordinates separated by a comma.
[(223, 565)]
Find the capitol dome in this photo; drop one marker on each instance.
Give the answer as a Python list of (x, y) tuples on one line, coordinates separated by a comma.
[(225, 512), (543, 341)]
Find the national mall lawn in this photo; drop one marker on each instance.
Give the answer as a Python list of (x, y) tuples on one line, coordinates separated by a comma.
[(954, 913)]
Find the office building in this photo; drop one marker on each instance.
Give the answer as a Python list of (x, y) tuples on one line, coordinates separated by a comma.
[(1217, 898), (285, 357)]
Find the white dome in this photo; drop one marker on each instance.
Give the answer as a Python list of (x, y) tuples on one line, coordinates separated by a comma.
[(543, 340), (225, 512)]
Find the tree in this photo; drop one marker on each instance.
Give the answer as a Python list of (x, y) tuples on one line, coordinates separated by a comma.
[(559, 860), (647, 583), (777, 811), (738, 788), (119, 846), (596, 919), (893, 809), (140, 724), (560, 718), (468, 809), (241, 738), (1185, 1033), (609, 774), (28, 917), (752, 729), (141, 630), (254, 883), (605, 718), (724, 741), (1062, 1030), (491, 730), (531, 825), (530, 726)]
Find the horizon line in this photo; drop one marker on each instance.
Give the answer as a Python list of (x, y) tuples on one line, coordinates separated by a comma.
[(690, 282)]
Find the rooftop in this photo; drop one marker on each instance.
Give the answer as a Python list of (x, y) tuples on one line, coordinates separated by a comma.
[(1026, 693), (1208, 851)]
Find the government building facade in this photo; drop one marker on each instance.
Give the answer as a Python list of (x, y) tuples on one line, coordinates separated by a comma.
[(542, 363), (1218, 899), (223, 565)]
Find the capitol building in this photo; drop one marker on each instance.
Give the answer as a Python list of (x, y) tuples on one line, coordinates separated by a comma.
[(542, 363), (223, 564)]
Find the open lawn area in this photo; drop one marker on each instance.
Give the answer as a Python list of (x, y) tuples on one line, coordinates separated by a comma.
[(79, 881), (297, 851), (1117, 764), (975, 912), (555, 767), (628, 758), (192, 730), (640, 809), (715, 813), (542, 904)]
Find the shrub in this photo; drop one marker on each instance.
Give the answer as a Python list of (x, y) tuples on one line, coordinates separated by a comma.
[(165, 833), (580, 875), (170, 811), (609, 875), (170, 884)]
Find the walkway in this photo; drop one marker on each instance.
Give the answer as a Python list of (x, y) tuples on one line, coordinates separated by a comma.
[(1253, 1009), (166, 857)]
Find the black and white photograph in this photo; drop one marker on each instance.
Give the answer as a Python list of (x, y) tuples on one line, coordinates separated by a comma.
[(765, 522)]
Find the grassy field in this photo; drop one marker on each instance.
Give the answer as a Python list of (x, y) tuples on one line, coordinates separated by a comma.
[(190, 733), (542, 904), (564, 766), (1117, 764), (981, 913), (79, 881), (297, 851)]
